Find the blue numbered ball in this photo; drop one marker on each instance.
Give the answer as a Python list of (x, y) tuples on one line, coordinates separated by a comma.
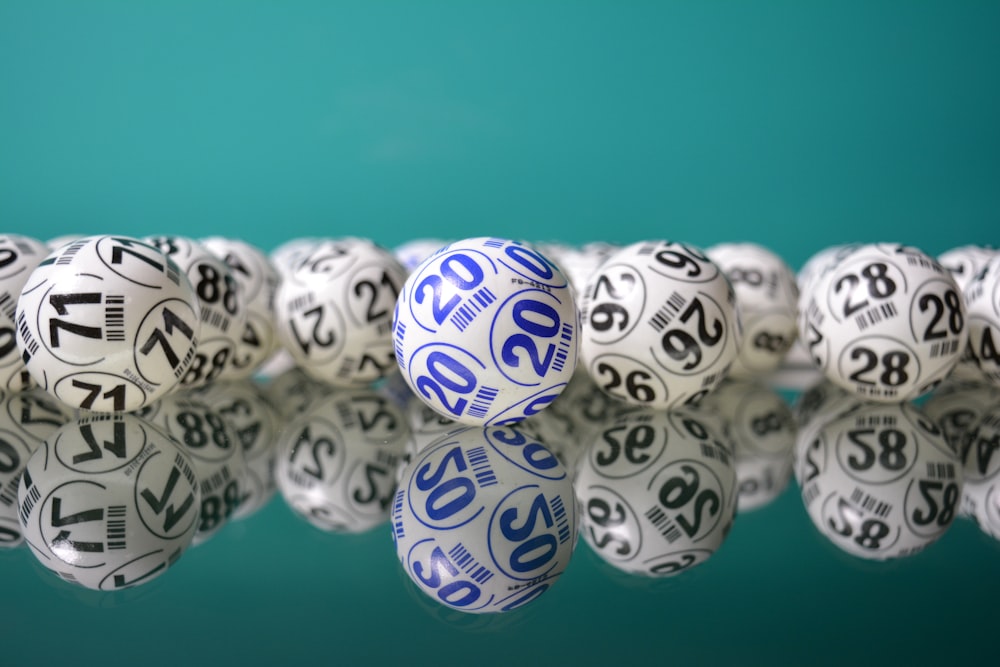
[(485, 331), (108, 502), (484, 519)]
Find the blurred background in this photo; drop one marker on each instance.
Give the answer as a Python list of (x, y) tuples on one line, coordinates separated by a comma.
[(794, 125)]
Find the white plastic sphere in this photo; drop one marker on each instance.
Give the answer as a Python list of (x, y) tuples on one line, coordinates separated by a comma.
[(657, 491), (982, 298), (333, 311), (259, 281), (222, 309), (108, 323), (965, 262), (957, 407), (486, 331), (767, 296), (336, 464), (981, 467), (660, 325), (412, 253), (880, 482), (484, 520), (108, 502), (886, 322), (19, 255)]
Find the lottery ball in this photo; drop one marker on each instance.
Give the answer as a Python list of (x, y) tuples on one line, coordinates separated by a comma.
[(982, 297), (257, 426), (412, 253), (981, 466), (333, 311), (221, 309), (258, 281), (657, 491), (660, 325), (886, 322), (216, 456), (108, 324), (108, 502), (957, 407), (287, 256), (19, 255), (336, 463), (767, 296), (26, 419), (761, 427), (880, 481), (484, 519), (965, 262), (485, 331)]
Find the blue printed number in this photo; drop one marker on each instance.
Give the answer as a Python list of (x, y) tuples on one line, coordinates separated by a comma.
[(461, 271), (530, 260), (455, 593), (537, 319), (448, 497), (533, 551), (535, 454), (447, 373)]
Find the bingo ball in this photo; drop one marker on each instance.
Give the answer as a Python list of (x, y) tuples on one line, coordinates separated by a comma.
[(258, 281), (19, 255), (485, 331), (657, 491), (216, 456), (982, 298), (881, 482), (108, 324), (26, 419), (981, 467), (768, 301), (286, 256), (484, 519), (221, 307), (412, 253), (762, 430), (965, 262), (886, 322), (257, 426), (108, 502), (336, 463), (333, 311), (660, 325), (957, 407)]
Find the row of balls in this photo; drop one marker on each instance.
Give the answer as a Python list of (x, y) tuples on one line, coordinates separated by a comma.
[(486, 519)]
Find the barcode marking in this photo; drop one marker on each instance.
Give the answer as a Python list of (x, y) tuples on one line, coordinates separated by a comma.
[(480, 405), (809, 494), (944, 348), (481, 467), (29, 503), (494, 243), (30, 344), (399, 333), (300, 302), (872, 316), (647, 249), (562, 521), (667, 312), (663, 524), (67, 255), (114, 317), (215, 482), (397, 510), (214, 318), (941, 470), (8, 305), (116, 527), (467, 312), (185, 469), (870, 503), (562, 351), (463, 559)]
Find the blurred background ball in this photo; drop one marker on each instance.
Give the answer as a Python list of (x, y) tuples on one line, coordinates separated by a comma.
[(484, 519), (981, 467), (486, 331), (337, 461), (19, 255), (886, 322), (880, 482), (660, 325), (333, 311), (767, 297), (657, 491), (108, 323), (108, 502), (222, 309), (259, 281), (982, 297)]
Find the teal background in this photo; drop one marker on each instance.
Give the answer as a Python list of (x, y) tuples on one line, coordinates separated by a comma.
[(793, 124)]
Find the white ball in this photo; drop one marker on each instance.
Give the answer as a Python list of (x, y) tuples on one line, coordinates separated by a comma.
[(221, 306), (287, 256), (660, 325), (412, 253), (767, 296), (337, 461), (484, 520), (965, 262), (880, 481), (26, 419), (981, 466), (19, 255), (762, 430), (333, 311), (216, 455), (486, 331), (982, 298), (657, 491), (259, 281), (886, 322), (108, 502), (958, 407), (108, 323)]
